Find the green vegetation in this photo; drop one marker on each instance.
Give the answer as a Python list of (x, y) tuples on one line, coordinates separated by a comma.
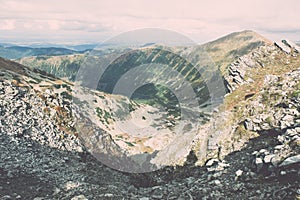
[(65, 66), (103, 114), (66, 95), (129, 144)]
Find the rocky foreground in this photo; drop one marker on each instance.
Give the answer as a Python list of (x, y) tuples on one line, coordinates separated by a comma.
[(41, 159)]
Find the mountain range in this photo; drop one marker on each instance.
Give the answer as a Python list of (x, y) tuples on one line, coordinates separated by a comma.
[(65, 137)]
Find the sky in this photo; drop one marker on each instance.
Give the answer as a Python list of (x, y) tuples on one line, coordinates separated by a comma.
[(94, 21)]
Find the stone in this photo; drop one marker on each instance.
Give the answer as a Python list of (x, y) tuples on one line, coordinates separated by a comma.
[(108, 195), (211, 162), (6, 197), (270, 79), (290, 161), (217, 182), (283, 47), (267, 158), (249, 124), (279, 147), (275, 160), (262, 151), (288, 118), (282, 173), (79, 197), (291, 45), (239, 173), (259, 164)]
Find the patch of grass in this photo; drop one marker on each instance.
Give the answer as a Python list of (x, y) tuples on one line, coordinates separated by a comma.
[(129, 144), (66, 95), (103, 114), (296, 93)]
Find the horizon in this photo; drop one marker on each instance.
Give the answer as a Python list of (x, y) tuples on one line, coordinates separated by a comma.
[(75, 44)]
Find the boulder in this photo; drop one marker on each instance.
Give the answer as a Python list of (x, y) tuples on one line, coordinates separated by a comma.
[(283, 47), (291, 160), (291, 45)]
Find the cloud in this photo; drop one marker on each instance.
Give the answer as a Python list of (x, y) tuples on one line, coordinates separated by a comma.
[(7, 24), (95, 19)]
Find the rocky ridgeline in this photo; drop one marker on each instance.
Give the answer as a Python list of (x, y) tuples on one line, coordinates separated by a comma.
[(238, 71), (278, 109)]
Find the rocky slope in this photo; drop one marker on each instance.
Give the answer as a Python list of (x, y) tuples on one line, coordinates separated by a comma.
[(249, 149)]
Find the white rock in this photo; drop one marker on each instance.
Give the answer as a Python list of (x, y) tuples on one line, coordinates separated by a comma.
[(283, 47), (79, 197), (279, 147), (211, 162), (217, 182), (239, 172), (268, 158)]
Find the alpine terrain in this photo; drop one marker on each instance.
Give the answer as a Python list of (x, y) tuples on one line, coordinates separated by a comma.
[(64, 135)]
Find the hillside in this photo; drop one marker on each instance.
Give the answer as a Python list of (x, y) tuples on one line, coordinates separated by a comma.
[(221, 52), (59, 140)]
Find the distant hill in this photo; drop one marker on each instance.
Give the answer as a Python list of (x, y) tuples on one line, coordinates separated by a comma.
[(16, 52)]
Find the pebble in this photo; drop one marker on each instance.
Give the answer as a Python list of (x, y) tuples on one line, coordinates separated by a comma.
[(239, 172), (108, 195), (217, 182), (144, 198), (6, 197), (79, 197)]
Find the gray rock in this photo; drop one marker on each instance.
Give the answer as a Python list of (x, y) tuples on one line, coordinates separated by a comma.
[(217, 182), (6, 197), (275, 160), (79, 197), (290, 161), (259, 164), (144, 198)]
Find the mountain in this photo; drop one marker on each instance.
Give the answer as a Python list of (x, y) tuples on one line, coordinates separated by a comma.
[(59, 140), (212, 58), (15, 52), (221, 52)]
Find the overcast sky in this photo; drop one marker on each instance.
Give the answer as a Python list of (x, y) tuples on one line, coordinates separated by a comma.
[(73, 21)]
